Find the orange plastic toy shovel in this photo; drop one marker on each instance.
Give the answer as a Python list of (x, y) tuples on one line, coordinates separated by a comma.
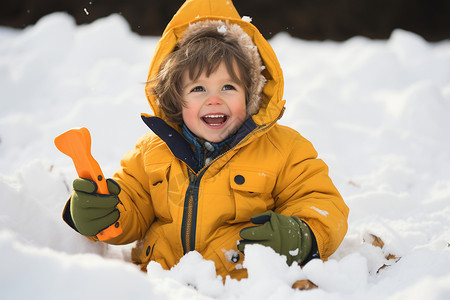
[(76, 143)]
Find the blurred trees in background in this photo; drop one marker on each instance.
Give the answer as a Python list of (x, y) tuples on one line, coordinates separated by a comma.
[(307, 19)]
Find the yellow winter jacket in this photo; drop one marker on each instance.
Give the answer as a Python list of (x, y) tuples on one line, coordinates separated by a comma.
[(171, 208)]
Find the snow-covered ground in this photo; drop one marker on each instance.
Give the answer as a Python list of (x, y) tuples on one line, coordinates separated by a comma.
[(378, 112)]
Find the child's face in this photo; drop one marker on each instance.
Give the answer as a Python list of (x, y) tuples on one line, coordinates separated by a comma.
[(215, 105)]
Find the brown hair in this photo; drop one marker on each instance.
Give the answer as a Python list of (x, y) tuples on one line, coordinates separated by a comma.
[(200, 52)]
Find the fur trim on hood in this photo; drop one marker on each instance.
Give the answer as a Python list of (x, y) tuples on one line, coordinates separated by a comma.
[(234, 31)]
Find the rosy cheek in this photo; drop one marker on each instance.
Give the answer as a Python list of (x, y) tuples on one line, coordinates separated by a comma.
[(189, 115), (240, 112)]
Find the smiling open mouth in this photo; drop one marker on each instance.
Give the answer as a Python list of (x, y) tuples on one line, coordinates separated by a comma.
[(215, 120)]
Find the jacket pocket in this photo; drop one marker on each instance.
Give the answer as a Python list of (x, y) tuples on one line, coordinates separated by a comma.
[(158, 183), (252, 192)]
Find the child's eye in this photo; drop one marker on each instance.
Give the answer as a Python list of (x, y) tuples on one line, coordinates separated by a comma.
[(228, 87), (198, 89)]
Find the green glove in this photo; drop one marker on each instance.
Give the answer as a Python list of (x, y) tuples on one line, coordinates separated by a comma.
[(91, 212), (288, 236)]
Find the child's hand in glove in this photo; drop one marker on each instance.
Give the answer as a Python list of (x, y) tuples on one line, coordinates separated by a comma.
[(91, 212), (287, 235)]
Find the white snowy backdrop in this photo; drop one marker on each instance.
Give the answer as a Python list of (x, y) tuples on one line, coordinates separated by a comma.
[(378, 112)]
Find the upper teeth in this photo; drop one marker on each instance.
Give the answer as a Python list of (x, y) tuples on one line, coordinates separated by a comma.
[(214, 116)]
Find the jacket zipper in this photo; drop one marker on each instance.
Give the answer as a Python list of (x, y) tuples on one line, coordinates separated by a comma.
[(188, 230), (189, 215)]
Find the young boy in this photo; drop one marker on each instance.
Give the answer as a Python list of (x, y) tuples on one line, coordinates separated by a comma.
[(217, 172)]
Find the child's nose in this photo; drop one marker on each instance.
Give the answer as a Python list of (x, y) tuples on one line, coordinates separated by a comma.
[(214, 100)]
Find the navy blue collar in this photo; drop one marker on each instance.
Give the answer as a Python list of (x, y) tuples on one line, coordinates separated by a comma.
[(204, 150)]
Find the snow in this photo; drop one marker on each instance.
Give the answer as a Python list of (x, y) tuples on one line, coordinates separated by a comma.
[(295, 251), (320, 211), (376, 111), (247, 19)]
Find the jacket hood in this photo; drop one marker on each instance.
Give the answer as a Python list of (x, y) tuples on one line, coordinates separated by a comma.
[(193, 11)]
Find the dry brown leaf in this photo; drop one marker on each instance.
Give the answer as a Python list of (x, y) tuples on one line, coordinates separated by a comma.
[(303, 285), (391, 256), (351, 182), (377, 241)]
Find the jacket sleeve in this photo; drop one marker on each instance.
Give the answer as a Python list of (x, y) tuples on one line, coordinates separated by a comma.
[(305, 190), (136, 208)]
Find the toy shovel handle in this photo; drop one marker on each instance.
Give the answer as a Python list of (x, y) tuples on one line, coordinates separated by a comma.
[(76, 143)]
